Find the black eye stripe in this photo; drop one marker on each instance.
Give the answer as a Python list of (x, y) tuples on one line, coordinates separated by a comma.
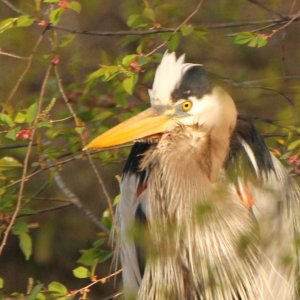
[(194, 82)]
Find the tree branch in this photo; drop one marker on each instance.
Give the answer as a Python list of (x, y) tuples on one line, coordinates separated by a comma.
[(26, 161), (177, 28), (76, 201), (268, 22), (78, 125), (261, 5), (12, 7), (27, 67)]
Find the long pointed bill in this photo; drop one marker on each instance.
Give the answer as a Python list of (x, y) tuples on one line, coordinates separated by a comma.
[(144, 124)]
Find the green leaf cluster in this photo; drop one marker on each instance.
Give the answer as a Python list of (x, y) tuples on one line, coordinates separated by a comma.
[(253, 40)]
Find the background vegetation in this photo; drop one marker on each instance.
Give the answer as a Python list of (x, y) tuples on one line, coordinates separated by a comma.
[(71, 69)]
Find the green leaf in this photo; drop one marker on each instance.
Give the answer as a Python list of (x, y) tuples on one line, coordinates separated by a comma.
[(103, 115), (149, 14), (186, 29), (12, 134), (1, 283), (6, 120), (2, 191), (25, 21), (116, 200), (108, 72), (26, 244), (57, 288), (44, 123), (67, 40), (35, 291), (81, 272), (142, 60), (7, 24), (128, 59), (88, 257), (129, 83), (261, 42), (243, 38), (173, 42), (137, 21), (41, 296), (74, 5), (31, 113), (253, 42), (79, 130), (20, 228), (294, 145), (251, 39), (8, 163), (51, 1), (55, 15), (20, 117), (104, 255)]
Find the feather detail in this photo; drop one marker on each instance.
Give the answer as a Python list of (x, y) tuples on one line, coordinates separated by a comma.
[(168, 76)]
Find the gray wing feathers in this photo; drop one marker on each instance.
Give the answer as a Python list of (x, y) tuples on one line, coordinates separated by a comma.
[(126, 210)]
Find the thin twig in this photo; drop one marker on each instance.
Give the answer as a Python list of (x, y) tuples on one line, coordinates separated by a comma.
[(112, 296), (267, 22), (262, 80), (7, 147), (61, 163), (27, 67), (186, 20), (26, 162), (46, 210), (78, 124), (261, 5), (285, 25), (12, 7), (277, 134), (111, 33), (282, 94), (48, 199), (13, 55), (75, 200), (100, 280)]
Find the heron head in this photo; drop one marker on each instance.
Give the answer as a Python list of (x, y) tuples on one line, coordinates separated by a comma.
[(182, 95)]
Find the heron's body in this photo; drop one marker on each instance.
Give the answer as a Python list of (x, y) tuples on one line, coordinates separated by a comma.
[(216, 213)]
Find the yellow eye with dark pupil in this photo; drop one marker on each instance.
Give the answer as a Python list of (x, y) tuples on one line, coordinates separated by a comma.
[(187, 105)]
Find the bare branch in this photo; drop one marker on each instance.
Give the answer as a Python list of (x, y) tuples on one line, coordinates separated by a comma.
[(95, 281), (75, 200), (178, 28), (26, 162), (12, 7), (27, 67), (46, 210), (61, 163), (7, 147), (78, 124), (112, 33), (261, 5), (297, 15), (268, 23), (13, 55)]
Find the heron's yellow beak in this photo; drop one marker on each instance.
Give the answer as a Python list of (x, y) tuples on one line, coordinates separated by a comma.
[(144, 124)]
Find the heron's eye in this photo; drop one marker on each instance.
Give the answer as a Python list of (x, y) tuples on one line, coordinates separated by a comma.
[(187, 105)]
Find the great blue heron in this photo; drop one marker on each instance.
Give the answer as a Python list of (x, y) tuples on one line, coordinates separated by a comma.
[(220, 213)]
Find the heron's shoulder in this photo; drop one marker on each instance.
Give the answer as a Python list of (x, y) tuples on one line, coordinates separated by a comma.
[(248, 145)]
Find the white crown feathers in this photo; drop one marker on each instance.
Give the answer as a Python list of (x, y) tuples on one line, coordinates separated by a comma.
[(167, 78)]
